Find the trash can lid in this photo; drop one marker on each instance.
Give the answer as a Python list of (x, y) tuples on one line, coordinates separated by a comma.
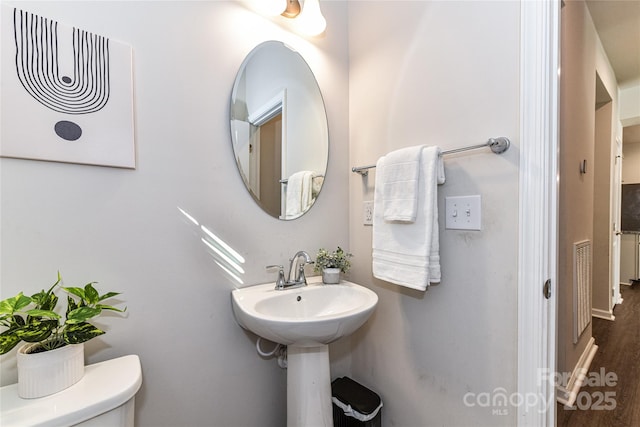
[(353, 394)]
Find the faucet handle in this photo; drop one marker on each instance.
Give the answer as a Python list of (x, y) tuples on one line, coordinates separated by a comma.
[(300, 276), (280, 280)]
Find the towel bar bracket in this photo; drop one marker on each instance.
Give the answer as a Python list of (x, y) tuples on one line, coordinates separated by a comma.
[(362, 170), (497, 145)]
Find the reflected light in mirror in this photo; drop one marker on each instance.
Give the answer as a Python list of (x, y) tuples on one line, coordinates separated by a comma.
[(224, 256), (239, 258), (227, 258), (189, 217), (230, 273)]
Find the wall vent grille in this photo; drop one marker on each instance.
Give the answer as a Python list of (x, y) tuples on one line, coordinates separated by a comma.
[(581, 288)]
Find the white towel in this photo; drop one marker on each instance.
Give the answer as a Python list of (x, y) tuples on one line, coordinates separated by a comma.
[(299, 193), (316, 185), (400, 183), (408, 254)]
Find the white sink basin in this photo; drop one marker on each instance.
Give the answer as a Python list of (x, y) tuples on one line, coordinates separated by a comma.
[(306, 319), (309, 316)]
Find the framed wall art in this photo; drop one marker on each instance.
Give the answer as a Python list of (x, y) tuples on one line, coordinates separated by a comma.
[(67, 94)]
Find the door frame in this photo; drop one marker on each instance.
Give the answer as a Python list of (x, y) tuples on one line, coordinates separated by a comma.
[(538, 211)]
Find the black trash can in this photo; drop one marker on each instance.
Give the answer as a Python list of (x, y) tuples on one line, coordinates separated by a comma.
[(354, 405)]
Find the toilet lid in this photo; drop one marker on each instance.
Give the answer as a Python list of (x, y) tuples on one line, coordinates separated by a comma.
[(104, 386)]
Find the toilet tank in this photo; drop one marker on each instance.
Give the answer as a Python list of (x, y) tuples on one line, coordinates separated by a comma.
[(105, 396)]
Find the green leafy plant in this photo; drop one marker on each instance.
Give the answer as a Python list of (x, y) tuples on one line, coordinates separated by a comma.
[(33, 319), (335, 259)]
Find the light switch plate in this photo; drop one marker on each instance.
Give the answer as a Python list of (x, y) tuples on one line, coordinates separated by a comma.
[(463, 212)]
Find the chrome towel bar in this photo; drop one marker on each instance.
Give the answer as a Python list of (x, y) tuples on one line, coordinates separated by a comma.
[(498, 145)]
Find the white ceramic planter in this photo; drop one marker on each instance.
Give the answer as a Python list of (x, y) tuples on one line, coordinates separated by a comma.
[(42, 374), (331, 276)]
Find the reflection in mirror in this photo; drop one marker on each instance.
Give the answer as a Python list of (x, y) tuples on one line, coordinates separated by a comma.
[(279, 130)]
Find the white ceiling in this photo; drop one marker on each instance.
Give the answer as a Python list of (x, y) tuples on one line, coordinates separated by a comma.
[(618, 25)]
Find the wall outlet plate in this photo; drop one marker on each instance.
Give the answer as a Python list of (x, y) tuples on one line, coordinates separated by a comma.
[(367, 212), (463, 212)]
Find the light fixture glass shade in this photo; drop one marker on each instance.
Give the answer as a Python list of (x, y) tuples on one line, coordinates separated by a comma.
[(310, 21), (269, 7)]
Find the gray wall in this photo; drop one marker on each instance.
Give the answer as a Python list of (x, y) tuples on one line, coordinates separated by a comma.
[(629, 247), (433, 73), (123, 228), (582, 58), (577, 107), (404, 73), (631, 163)]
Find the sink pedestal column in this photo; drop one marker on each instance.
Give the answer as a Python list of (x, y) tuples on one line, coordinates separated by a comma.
[(308, 387)]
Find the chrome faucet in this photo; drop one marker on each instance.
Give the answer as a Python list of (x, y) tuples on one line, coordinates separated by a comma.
[(300, 279)]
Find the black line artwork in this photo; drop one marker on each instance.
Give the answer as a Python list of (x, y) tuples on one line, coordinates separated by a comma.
[(85, 91)]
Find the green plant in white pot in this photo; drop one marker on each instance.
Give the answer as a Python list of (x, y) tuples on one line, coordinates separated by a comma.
[(50, 335), (331, 264)]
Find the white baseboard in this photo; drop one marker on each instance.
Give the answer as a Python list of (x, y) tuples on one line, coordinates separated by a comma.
[(567, 395), (603, 314)]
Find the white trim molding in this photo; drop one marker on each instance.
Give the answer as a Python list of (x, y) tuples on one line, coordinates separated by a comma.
[(269, 109), (538, 211), (602, 314), (567, 394)]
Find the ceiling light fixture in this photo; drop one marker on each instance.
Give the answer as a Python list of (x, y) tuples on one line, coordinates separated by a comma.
[(292, 10), (309, 19)]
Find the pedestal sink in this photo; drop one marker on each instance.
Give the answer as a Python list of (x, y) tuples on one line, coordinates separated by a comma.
[(306, 319)]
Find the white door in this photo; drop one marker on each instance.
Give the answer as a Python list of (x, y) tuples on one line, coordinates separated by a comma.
[(616, 192)]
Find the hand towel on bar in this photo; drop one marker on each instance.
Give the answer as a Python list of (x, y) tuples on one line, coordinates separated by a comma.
[(408, 254), (400, 184), (298, 193)]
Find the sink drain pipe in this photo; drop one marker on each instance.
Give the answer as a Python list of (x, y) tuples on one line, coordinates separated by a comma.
[(279, 350)]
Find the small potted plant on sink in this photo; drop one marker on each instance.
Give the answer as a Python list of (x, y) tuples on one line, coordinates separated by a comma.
[(331, 264), (52, 357)]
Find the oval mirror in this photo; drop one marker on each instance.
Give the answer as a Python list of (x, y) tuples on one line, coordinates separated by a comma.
[(279, 130)]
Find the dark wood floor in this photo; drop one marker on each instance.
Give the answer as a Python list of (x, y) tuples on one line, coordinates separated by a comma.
[(618, 353)]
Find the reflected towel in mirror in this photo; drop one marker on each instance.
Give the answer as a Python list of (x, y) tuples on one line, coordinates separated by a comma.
[(299, 193)]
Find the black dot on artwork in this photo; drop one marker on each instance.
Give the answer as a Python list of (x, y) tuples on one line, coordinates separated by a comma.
[(66, 79), (68, 130)]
